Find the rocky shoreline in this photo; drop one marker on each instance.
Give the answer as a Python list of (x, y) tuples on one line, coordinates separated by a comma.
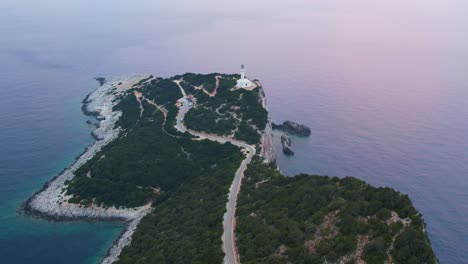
[(267, 151), (51, 202), (124, 239)]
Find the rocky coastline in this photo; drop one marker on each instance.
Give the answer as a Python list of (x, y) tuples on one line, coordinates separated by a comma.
[(51, 202), (267, 151), (124, 239)]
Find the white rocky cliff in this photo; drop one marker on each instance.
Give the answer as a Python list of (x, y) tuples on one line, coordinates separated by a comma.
[(51, 201)]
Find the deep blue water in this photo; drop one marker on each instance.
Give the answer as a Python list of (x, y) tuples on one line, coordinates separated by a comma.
[(382, 85)]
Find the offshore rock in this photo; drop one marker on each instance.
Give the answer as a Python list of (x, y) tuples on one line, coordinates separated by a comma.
[(293, 128), (101, 80), (286, 143)]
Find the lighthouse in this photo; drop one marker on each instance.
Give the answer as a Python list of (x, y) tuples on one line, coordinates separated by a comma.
[(242, 72), (243, 82)]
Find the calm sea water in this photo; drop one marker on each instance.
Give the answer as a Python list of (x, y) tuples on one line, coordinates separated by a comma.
[(383, 86)]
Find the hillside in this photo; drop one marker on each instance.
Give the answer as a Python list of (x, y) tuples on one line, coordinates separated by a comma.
[(185, 179), (151, 154), (310, 219), (169, 151)]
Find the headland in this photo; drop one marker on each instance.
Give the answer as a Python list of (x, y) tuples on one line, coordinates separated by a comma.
[(170, 159)]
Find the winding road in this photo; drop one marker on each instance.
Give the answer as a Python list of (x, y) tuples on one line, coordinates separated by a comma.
[(229, 239)]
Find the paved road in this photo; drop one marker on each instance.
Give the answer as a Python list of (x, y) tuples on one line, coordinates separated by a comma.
[(229, 240), (180, 87), (183, 109)]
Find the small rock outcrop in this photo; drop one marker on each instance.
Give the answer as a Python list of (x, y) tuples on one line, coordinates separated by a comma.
[(92, 125), (293, 128), (101, 80), (286, 143)]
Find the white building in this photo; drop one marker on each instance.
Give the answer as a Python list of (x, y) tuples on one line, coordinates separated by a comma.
[(244, 82)]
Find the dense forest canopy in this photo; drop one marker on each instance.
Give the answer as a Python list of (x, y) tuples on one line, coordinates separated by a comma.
[(310, 219), (186, 225)]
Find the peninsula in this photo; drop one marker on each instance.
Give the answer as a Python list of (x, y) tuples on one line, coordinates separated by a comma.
[(188, 163)]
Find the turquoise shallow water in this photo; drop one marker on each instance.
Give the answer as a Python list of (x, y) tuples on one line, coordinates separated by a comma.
[(382, 85), (38, 141)]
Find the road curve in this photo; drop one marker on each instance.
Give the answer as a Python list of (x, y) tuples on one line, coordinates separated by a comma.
[(229, 220), (229, 239)]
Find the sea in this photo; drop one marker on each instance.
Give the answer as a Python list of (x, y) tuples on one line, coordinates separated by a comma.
[(383, 85)]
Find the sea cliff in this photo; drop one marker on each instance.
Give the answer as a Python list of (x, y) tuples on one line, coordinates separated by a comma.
[(267, 151)]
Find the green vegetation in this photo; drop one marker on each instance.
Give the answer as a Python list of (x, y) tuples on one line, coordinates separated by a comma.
[(307, 219), (162, 91), (231, 112), (303, 219), (187, 180), (124, 172), (147, 156), (208, 81), (411, 247), (186, 226)]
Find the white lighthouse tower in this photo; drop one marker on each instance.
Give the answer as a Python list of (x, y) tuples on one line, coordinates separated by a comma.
[(244, 82), (242, 72)]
